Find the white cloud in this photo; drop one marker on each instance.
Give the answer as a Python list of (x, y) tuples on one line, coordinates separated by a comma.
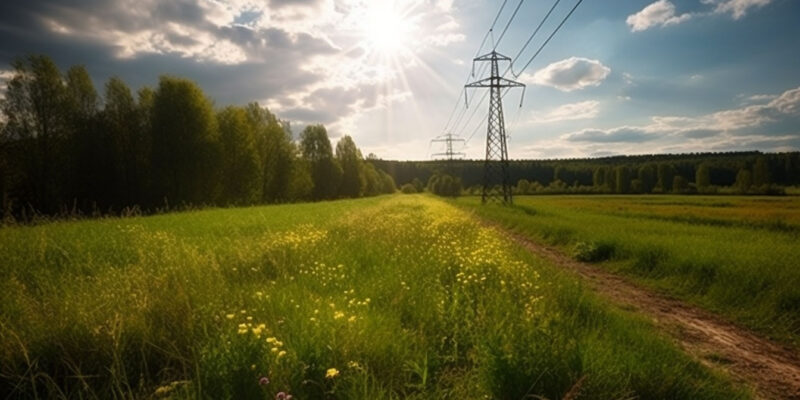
[(569, 112), (762, 126), (571, 74), (736, 8), (661, 13)]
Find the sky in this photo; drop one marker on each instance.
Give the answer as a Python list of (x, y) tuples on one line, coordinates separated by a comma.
[(620, 77)]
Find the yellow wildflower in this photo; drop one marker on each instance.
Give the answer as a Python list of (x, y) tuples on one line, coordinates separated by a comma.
[(331, 373)]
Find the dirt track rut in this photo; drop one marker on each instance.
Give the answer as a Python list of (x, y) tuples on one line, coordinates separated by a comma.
[(771, 369)]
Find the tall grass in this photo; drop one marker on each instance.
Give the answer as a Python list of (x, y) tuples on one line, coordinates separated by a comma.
[(738, 258), (395, 297)]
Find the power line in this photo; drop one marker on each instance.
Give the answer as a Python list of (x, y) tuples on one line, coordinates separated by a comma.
[(547, 41), (461, 93), (536, 31), (527, 43), (507, 25)]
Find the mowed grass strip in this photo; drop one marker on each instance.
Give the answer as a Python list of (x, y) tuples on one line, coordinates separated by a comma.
[(737, 256), (392, 297)]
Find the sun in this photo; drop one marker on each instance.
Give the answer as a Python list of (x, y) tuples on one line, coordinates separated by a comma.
[(387, 27)]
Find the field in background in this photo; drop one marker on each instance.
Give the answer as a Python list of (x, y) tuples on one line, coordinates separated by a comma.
[(737, 256), (400, 296)]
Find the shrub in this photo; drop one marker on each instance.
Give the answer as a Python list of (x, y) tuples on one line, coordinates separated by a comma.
[(408, 189), (593, 251)]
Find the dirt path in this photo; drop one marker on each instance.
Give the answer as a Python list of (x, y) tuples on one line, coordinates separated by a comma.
[(773, 370)]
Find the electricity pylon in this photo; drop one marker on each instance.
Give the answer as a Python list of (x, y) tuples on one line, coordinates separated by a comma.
[(448, 140), (495, 166)]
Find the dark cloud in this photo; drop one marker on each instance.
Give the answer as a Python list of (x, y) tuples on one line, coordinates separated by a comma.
[(182, 40)]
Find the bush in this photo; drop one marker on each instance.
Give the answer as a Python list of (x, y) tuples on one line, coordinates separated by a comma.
[(593, 251), (408, 189)]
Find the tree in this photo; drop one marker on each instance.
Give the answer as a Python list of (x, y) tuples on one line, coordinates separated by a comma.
[(326, 173), (372, 180), (35, 108), (418, 185), (276, 150), (680, 184), (744, 180), (623, 179), (703, 177), (523, 186), (666, 175), (598, 177), (647, 176), (90, 152), (186, 153), (241, 164), (300, 184), (610, 180), (126, 147), (387, 185), (761, 175), (349, 157)]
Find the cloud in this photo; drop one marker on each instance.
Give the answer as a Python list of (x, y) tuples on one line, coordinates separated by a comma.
[(571, 74), (624, 134), (661, 13), (308, 60), (769, 127), (570, 112), (736, 8)]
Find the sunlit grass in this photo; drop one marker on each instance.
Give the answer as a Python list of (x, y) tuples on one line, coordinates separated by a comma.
[(394, 297), (734, 255)]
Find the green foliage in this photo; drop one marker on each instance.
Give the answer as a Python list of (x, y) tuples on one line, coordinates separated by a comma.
[(444, 185), (666, 177), (744, 180), (326, 172), (277, 154), (647, 175), (680, 184), (408, 189), (622, 179), (761, 173), (36, 121), (352, 163), (403, 296), (592, 251), (186, 152), (241, 165), (63, 153), (703, 177)]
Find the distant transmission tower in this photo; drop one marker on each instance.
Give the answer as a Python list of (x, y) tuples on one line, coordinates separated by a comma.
[(448, 139), (495, 166)]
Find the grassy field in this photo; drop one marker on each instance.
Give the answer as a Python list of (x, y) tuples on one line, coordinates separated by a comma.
[(737, 256), (392, 297)]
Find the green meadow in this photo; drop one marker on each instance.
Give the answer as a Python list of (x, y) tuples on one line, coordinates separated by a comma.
[(404, 296), (735, 256)]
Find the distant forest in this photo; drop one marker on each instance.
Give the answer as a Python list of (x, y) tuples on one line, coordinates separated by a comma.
[(704, 173), (66, 150)]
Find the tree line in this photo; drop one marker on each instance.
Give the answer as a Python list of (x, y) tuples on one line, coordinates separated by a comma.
[(706, 173), (66, 148)]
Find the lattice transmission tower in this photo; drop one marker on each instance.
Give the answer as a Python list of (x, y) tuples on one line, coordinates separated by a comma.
[(448, 139), (496, 185)]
